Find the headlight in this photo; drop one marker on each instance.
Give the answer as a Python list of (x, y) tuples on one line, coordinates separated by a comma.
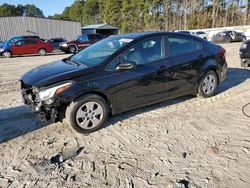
[(1, 49), (64, 44), (51, 92)]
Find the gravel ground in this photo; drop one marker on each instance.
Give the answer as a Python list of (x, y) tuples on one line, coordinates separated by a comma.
[(186, 142)]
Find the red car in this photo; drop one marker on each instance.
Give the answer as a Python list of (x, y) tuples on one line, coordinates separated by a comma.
[(30, 46), (80, 42)]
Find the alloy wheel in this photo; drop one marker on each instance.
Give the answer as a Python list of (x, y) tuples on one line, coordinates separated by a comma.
[(89, 115), (7, 54), (209, 84)]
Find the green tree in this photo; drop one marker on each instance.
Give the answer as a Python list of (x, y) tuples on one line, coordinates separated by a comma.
[(8, 10), (75, 11), (111, 11), (91, 12), (32, 10), (20, 10)]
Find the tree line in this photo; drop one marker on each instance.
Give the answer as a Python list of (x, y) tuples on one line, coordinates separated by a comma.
[(20, 10), (141, 15), (144, 15)]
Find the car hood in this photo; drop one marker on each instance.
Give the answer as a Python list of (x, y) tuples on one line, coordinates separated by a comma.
[(54, 72)]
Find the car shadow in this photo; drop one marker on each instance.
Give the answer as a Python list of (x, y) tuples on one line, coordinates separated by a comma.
[(235, 77), (18, 121)]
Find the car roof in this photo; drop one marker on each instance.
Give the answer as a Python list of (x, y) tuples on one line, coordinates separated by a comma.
[(142, 34), (55, 38), (27, 38)]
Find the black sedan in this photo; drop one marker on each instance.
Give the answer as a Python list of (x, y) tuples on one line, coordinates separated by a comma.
[(122, 73), (55, 42)]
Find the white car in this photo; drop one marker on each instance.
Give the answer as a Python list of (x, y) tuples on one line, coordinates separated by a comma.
[(200, 34)]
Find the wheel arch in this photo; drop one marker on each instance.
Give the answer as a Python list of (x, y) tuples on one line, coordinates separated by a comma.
[(71, 44), (98, 93), (210, 66), (42, 48)]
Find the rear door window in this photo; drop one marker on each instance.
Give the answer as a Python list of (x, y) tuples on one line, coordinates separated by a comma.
[(92, 37), (179, 45), (31, 42)]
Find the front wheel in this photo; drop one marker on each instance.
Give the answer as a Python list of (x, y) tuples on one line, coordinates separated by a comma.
[(208, 84), (88, 114), (7, 54)]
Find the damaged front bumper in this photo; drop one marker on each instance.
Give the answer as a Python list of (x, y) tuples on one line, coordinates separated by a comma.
[(48, 110)]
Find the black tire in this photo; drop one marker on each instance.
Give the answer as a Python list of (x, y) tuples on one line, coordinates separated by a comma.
[(72, 49), (42, 52), (74, 107), (210, 88)]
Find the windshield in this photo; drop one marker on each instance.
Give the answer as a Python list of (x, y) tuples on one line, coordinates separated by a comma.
[(12, 40), (77, 37), (98, 52)]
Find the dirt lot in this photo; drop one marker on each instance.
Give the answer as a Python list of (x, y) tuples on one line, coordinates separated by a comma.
[(187, 142)]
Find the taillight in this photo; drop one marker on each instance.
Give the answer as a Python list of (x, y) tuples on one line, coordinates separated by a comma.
[(222, 52)]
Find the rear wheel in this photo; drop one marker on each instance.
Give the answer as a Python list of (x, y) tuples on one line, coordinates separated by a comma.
[(88, 114), (208, 84), (7, 54), (42, 52), (72, 49)]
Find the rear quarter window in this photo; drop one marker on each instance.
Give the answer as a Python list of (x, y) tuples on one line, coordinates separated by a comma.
[(31, 41), (179, 45)]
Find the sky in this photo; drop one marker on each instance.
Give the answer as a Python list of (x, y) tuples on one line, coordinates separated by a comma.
[(49, 7)]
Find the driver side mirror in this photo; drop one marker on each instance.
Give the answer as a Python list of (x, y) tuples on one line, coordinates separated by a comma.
[(126, 65)]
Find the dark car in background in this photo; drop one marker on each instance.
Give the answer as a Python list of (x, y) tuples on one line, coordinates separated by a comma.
[(184, 32), (80, 42), (245, 54), (5, 48), (122, 73), (29, 46), (55, 42), (228, 37)]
